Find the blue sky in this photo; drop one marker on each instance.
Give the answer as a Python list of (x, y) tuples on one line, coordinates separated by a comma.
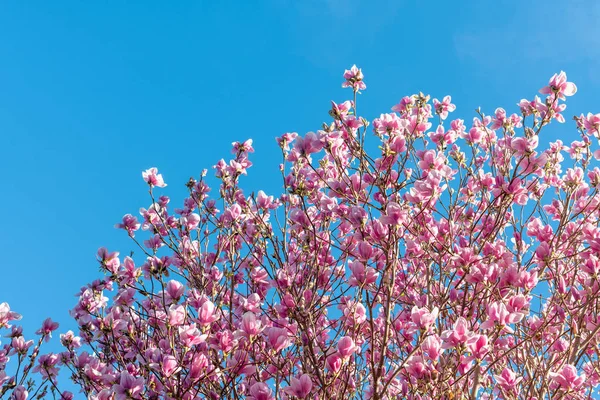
[(92, 93)]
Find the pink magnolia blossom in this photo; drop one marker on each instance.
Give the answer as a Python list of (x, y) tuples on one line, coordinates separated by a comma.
[(499, 316), (260, 391), (559, 86), (459, 334), (568, 378), (508, 380), (300, 387), (444, 107), (207, 313), (19, 393), (153, 178), (6, 315), (48, 326), (420, 260), (354, 79), (129, 387)]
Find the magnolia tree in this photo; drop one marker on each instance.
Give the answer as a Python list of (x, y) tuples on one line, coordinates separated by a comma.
[(452, 261)]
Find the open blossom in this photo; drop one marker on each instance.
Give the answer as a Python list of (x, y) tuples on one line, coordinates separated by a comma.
[(459, 334), (507, 380), (153, 178), (260, 391), (279, 338), (567, 378), (129, 387), (299, 387), (559, 86), (48, 326), (6, 315), (354, 79), (592, 124), (423, 317), (47, 365), (422, 270), (443, 107), (130, 224), (190, 335), (499, 316)]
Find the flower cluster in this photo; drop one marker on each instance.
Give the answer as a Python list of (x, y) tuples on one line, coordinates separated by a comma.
[(456, 261)]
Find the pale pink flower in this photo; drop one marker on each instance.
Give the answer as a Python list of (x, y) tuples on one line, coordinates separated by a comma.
[(354, 79), (190, 335), (423, 317), (558, 85), (444, 107), (169, 366), (6, 315), (592, 124), (250, 325), (153, 178), (19, 393)]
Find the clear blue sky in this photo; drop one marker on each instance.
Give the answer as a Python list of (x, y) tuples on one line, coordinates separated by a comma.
[(94, 92)]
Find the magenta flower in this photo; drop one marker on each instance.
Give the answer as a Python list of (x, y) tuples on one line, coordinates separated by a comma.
[(153, 178), (334, 362), (300, 387), (169, 366), (432, 346), (69, 340), (260, 391), (46, 365), (478, 346), (20, 346), (250, 325), (47, 327)]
